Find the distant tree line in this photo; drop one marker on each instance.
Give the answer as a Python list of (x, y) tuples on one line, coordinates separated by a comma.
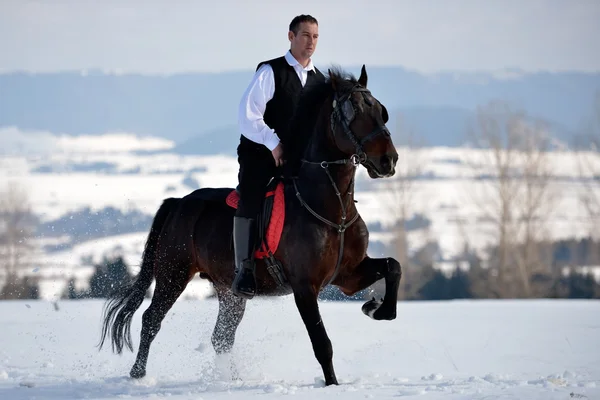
[(108, 276), (18, 252), (471, 278)]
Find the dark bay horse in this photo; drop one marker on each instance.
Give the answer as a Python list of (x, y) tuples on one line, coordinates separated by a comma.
[(338, 125)]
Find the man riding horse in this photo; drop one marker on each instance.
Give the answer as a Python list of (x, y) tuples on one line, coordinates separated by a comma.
[(264, 114), (328, 131)]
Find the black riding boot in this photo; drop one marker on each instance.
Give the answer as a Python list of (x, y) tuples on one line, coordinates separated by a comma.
[(244, 284)]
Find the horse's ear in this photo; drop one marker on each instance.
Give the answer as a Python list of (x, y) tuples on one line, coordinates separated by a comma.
[(384, 114), (363, 76)]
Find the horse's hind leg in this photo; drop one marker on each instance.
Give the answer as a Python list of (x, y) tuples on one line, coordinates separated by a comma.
[(231, 312), (168, 289), (369, 271)]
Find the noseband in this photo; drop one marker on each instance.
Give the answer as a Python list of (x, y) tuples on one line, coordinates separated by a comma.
[(344, 112)]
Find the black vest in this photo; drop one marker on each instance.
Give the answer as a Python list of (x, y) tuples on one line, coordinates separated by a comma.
[(288, 87)]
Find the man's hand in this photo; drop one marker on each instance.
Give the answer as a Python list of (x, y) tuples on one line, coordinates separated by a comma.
[(278, 155)]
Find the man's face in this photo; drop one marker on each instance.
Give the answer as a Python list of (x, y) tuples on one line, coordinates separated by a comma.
[(303, 44)]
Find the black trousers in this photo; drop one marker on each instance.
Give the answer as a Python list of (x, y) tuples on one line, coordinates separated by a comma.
[(257, 167)]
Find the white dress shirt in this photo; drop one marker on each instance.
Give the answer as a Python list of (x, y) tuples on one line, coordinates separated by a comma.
[(254, 102)]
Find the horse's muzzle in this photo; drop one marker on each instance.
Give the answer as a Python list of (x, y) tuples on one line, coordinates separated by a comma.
[(383, 166)]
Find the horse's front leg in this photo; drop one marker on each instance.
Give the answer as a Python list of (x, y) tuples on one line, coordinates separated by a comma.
[(369, 271), (306, 301)]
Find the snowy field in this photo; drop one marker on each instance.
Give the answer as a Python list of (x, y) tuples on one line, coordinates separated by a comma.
[(58, 174), (541, 349)]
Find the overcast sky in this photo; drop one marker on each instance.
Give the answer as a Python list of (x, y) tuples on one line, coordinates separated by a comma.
[(156, 36)]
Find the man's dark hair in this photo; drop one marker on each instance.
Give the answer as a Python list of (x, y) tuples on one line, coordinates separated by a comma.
[(295, 24)]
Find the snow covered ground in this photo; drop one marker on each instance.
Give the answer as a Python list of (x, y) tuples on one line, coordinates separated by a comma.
[(543, 349)]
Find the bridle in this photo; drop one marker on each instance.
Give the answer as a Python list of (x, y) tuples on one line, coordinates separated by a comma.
[(344, 112)]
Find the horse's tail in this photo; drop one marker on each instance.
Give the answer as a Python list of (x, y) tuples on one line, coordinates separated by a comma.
[(124, 302)]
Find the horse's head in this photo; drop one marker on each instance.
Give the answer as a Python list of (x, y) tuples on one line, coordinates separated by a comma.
[(357, 126)]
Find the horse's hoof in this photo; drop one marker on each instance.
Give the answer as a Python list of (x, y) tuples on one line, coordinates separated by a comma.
[(331, 381), (373, 309), (137, 372), (370, 307), (383, 314)]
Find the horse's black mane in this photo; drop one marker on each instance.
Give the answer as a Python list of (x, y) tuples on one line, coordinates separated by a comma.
[(308, 109)]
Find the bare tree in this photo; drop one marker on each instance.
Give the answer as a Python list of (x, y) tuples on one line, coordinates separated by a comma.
[(588, 162), (515, 171), (17, 225), (535, 207)]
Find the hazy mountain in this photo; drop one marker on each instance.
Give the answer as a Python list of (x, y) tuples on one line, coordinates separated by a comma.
[(430, 126), (189, 108)]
